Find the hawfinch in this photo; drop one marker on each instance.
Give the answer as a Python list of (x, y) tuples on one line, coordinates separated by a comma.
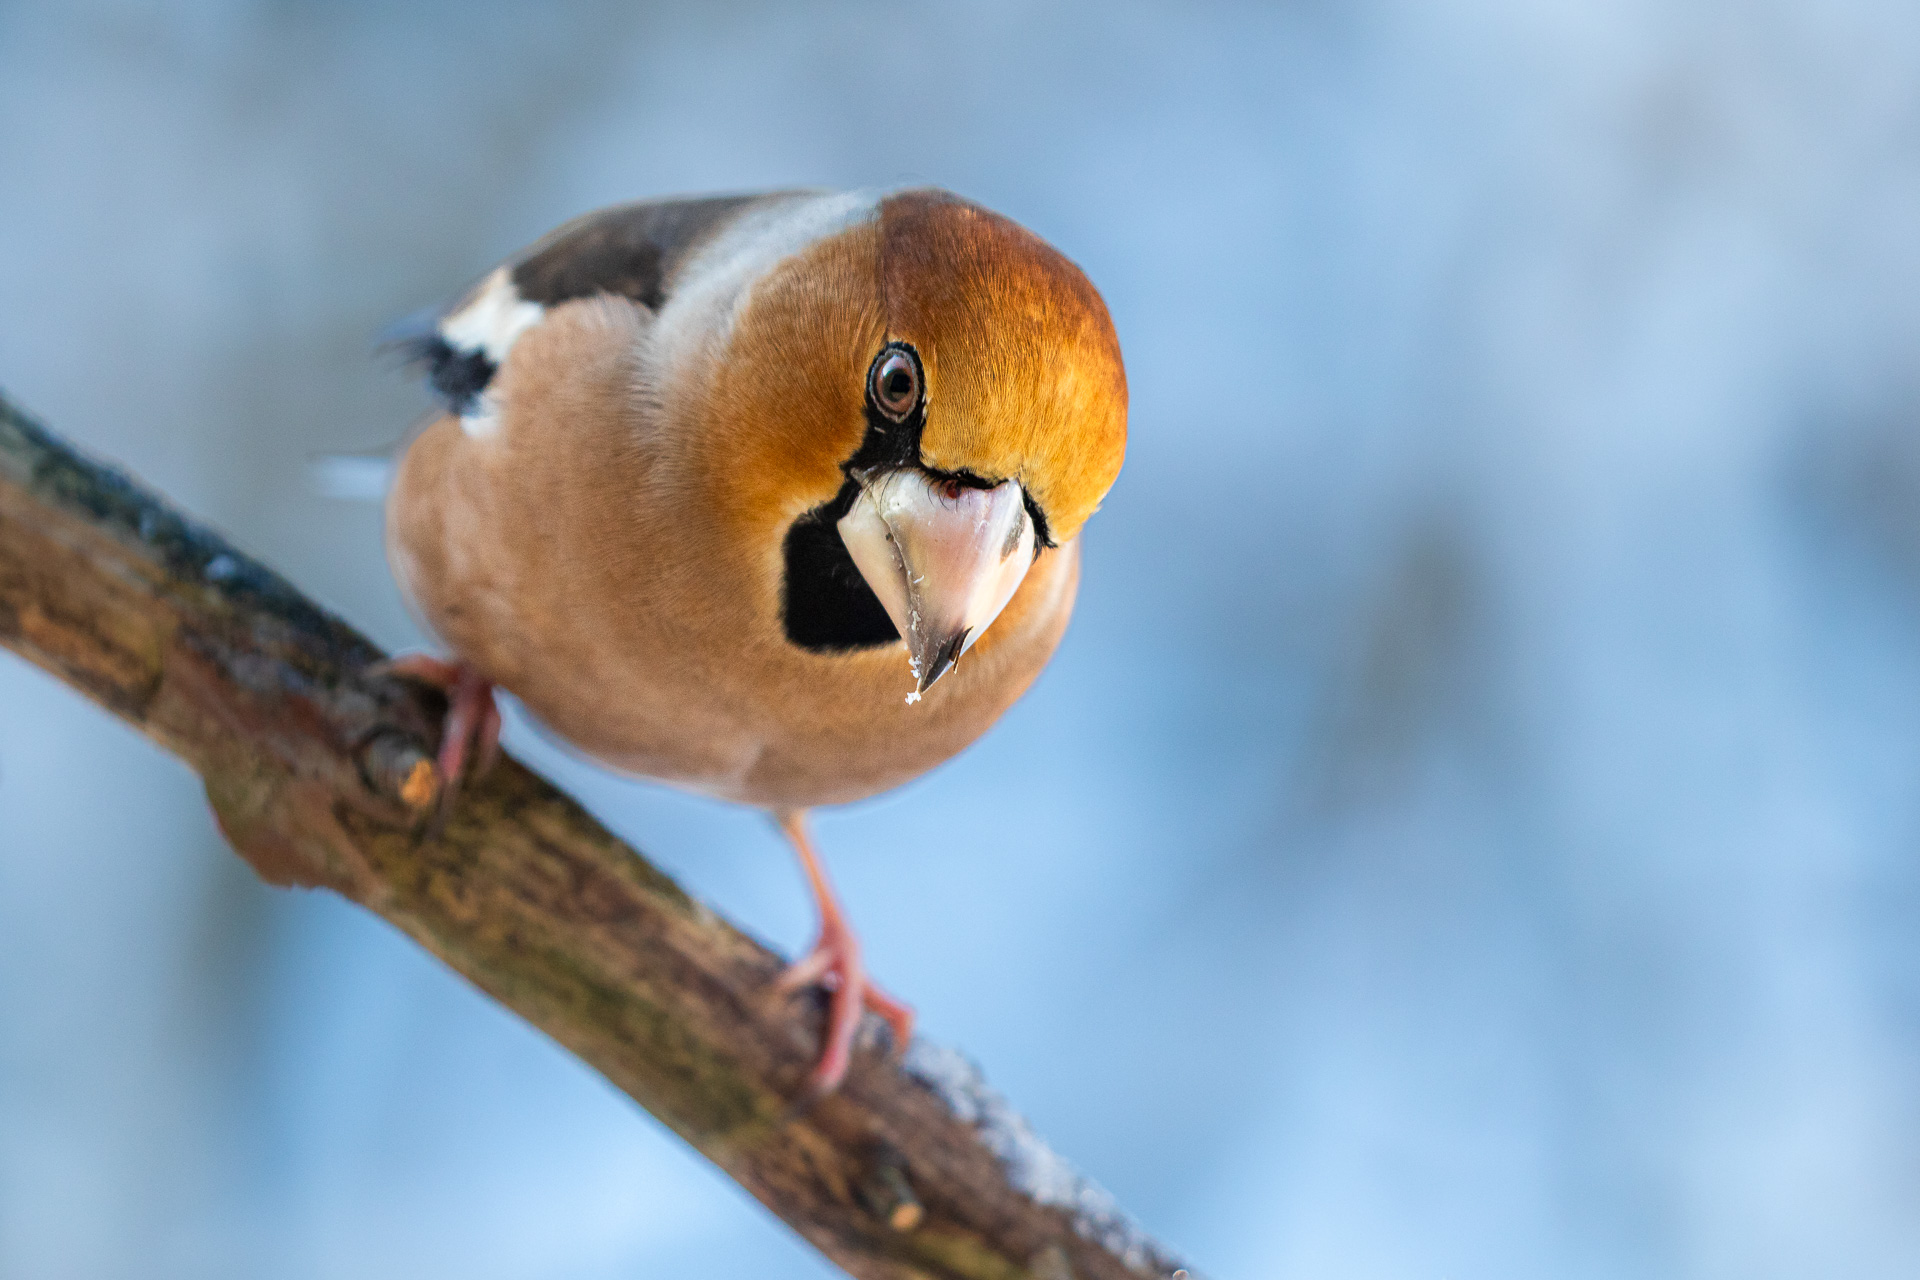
[(773, 497)]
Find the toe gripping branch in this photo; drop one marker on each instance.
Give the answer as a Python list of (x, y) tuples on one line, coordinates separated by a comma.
[(470, 736), (835, 963)]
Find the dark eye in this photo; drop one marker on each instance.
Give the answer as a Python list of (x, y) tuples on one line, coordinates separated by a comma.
[(895, 383)]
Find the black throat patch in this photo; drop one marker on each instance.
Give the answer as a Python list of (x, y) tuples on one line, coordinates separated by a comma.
[(826, 605)]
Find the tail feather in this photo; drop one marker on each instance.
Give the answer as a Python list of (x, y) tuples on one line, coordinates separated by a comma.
[(351, 477)]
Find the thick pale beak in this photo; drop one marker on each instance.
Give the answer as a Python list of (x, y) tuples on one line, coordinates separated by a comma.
[(943, 558)]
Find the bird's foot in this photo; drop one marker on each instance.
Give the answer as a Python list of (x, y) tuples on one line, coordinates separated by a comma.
[(835, 964), (470, 737)]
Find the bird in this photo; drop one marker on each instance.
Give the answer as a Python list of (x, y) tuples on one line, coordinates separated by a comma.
[(773, 497)]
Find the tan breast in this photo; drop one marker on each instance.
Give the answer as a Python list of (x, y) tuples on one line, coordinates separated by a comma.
[(569, 557)]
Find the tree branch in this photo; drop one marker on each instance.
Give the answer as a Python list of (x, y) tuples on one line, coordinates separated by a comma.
[(320, 775)]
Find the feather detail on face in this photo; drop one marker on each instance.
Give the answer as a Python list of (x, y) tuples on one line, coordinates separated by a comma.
[(1024, 378), (919, 346)]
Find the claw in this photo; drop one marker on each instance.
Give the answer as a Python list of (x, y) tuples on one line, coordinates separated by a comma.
[(835, 963), (472, 728)]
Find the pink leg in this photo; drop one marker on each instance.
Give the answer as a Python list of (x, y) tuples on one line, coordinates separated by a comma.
[(835, 963), (473, 718)]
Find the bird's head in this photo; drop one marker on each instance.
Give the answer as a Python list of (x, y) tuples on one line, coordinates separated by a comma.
[(937, 399)]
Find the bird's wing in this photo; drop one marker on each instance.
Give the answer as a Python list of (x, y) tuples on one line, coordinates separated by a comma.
[(632, 251)]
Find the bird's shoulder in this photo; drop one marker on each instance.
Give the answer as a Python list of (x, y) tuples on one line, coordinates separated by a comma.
[(634, 252)]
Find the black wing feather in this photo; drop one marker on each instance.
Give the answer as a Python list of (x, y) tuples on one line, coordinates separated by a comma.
[(629, 250)]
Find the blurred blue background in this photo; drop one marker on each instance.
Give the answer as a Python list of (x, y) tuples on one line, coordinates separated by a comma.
[(1471, 828)]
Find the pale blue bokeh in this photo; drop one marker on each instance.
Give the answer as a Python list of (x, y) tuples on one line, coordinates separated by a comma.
[(1471, 827)]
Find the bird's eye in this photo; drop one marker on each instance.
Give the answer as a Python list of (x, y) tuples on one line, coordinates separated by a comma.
[(895, 383)]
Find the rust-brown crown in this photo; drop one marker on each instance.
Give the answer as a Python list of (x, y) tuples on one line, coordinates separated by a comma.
[(1024, 379)]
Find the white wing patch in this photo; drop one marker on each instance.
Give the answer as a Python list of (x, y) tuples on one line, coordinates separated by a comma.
[(489, 324)]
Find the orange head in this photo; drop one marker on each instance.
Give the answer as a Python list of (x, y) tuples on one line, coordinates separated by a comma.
[(915, 401)]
